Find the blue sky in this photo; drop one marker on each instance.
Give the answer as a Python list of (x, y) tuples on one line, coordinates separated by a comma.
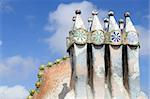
[(31, 31)]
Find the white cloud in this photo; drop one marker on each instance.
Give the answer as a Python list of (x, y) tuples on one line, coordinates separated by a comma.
[(60, 23), (17, 67), (14, 92), (144, 40)]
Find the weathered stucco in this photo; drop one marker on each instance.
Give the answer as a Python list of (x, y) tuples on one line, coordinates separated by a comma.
[(134, 73), (98, 72), (118, 90), (81, 71)]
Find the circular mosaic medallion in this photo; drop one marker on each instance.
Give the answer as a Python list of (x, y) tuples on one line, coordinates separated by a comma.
[(132, 38), (97, 37), (115, 37), (80, 36)]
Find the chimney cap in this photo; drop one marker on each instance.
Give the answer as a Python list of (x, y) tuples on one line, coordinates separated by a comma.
[(90, 19), (78, 11), (121, 21), (110, 13), (94, 12), (106, 20), (127, 14)]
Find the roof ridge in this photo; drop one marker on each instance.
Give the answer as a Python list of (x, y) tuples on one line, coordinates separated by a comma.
[(41, 72)]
